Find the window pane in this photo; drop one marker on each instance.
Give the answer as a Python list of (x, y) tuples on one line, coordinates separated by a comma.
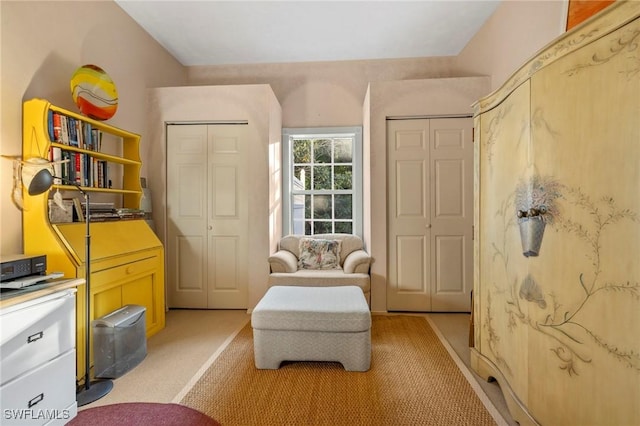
[(343, 151), (344, 227), (343, 206), (343, 177), (301, 151), (298, 213), (307, 207), (307, 228), (322, 151), (322, 227), (322, 207), (321, 177), (302, 180)]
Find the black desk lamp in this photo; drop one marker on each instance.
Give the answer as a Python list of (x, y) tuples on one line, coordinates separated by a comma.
[(38, 178)]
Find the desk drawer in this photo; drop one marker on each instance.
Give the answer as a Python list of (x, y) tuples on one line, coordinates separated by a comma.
[(37, 331), (37, 397), (124, 271)]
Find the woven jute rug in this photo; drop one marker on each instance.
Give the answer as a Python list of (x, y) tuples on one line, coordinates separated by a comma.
[(412, 381)]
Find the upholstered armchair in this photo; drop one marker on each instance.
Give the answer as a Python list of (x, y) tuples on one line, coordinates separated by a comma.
[(321, 260)]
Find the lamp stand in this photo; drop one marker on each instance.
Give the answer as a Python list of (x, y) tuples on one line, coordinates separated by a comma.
[(91, 391), (37, 177)]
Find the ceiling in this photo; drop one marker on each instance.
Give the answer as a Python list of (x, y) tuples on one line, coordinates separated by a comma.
[(212, 32)]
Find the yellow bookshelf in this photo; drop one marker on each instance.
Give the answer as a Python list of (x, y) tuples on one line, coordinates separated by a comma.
[(127, 258)]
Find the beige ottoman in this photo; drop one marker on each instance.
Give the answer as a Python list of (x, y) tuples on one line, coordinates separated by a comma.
[(312, 324)]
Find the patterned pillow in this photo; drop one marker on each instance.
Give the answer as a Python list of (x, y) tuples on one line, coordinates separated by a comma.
[(319, 254)]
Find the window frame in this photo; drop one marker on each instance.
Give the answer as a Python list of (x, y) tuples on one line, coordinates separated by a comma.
[(288, 135)]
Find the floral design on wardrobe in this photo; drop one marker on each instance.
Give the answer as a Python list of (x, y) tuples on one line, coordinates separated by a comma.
[(536, 305)]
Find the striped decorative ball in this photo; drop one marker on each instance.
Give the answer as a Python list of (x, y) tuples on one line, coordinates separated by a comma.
[(94, 92)]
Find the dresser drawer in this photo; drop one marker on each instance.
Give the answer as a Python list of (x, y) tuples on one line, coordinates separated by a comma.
[(37, 331), (36, 398), (118, 273)]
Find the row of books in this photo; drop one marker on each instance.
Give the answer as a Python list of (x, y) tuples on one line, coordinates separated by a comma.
[(82, 169), (74, 210), (98, 211), (102, 212), (73, 132)]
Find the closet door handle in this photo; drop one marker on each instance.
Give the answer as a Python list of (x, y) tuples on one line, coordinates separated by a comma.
[(428, 226)]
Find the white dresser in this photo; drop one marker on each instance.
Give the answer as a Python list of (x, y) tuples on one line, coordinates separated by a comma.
[(38, 358)]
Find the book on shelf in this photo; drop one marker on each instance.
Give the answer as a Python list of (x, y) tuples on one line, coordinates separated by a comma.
[(64, 131), (55, 155), (100, 212), (127, 213), (104, 216), (66, 168), (78, 168), (73, 134), (101, 207), (96, 140), (86, 137), (51, 126), (79, 133)]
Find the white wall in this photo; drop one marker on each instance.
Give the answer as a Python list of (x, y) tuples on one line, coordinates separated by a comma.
[(512, 35), (322, 94), (316, 94), (43, 43)]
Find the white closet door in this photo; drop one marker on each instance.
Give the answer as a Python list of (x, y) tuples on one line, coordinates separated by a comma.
[(430, 214), (228, 222), (207, 216), (451, 214)]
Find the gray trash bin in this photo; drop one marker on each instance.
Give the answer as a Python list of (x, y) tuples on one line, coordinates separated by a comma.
[(119, 341)]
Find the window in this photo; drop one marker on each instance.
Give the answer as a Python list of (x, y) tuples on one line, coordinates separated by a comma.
[(322, 180)]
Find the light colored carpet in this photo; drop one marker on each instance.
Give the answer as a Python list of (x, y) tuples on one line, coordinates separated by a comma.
[(175, 355), (180, 353), (412, 380)]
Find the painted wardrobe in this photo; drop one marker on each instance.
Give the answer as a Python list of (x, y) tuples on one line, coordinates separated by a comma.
[(557, 228)]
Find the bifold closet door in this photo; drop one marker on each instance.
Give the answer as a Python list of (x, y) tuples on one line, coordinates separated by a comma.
[(207, 216), (430, 214)]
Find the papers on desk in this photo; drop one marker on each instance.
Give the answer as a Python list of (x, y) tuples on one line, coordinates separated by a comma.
[(30, 280)]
